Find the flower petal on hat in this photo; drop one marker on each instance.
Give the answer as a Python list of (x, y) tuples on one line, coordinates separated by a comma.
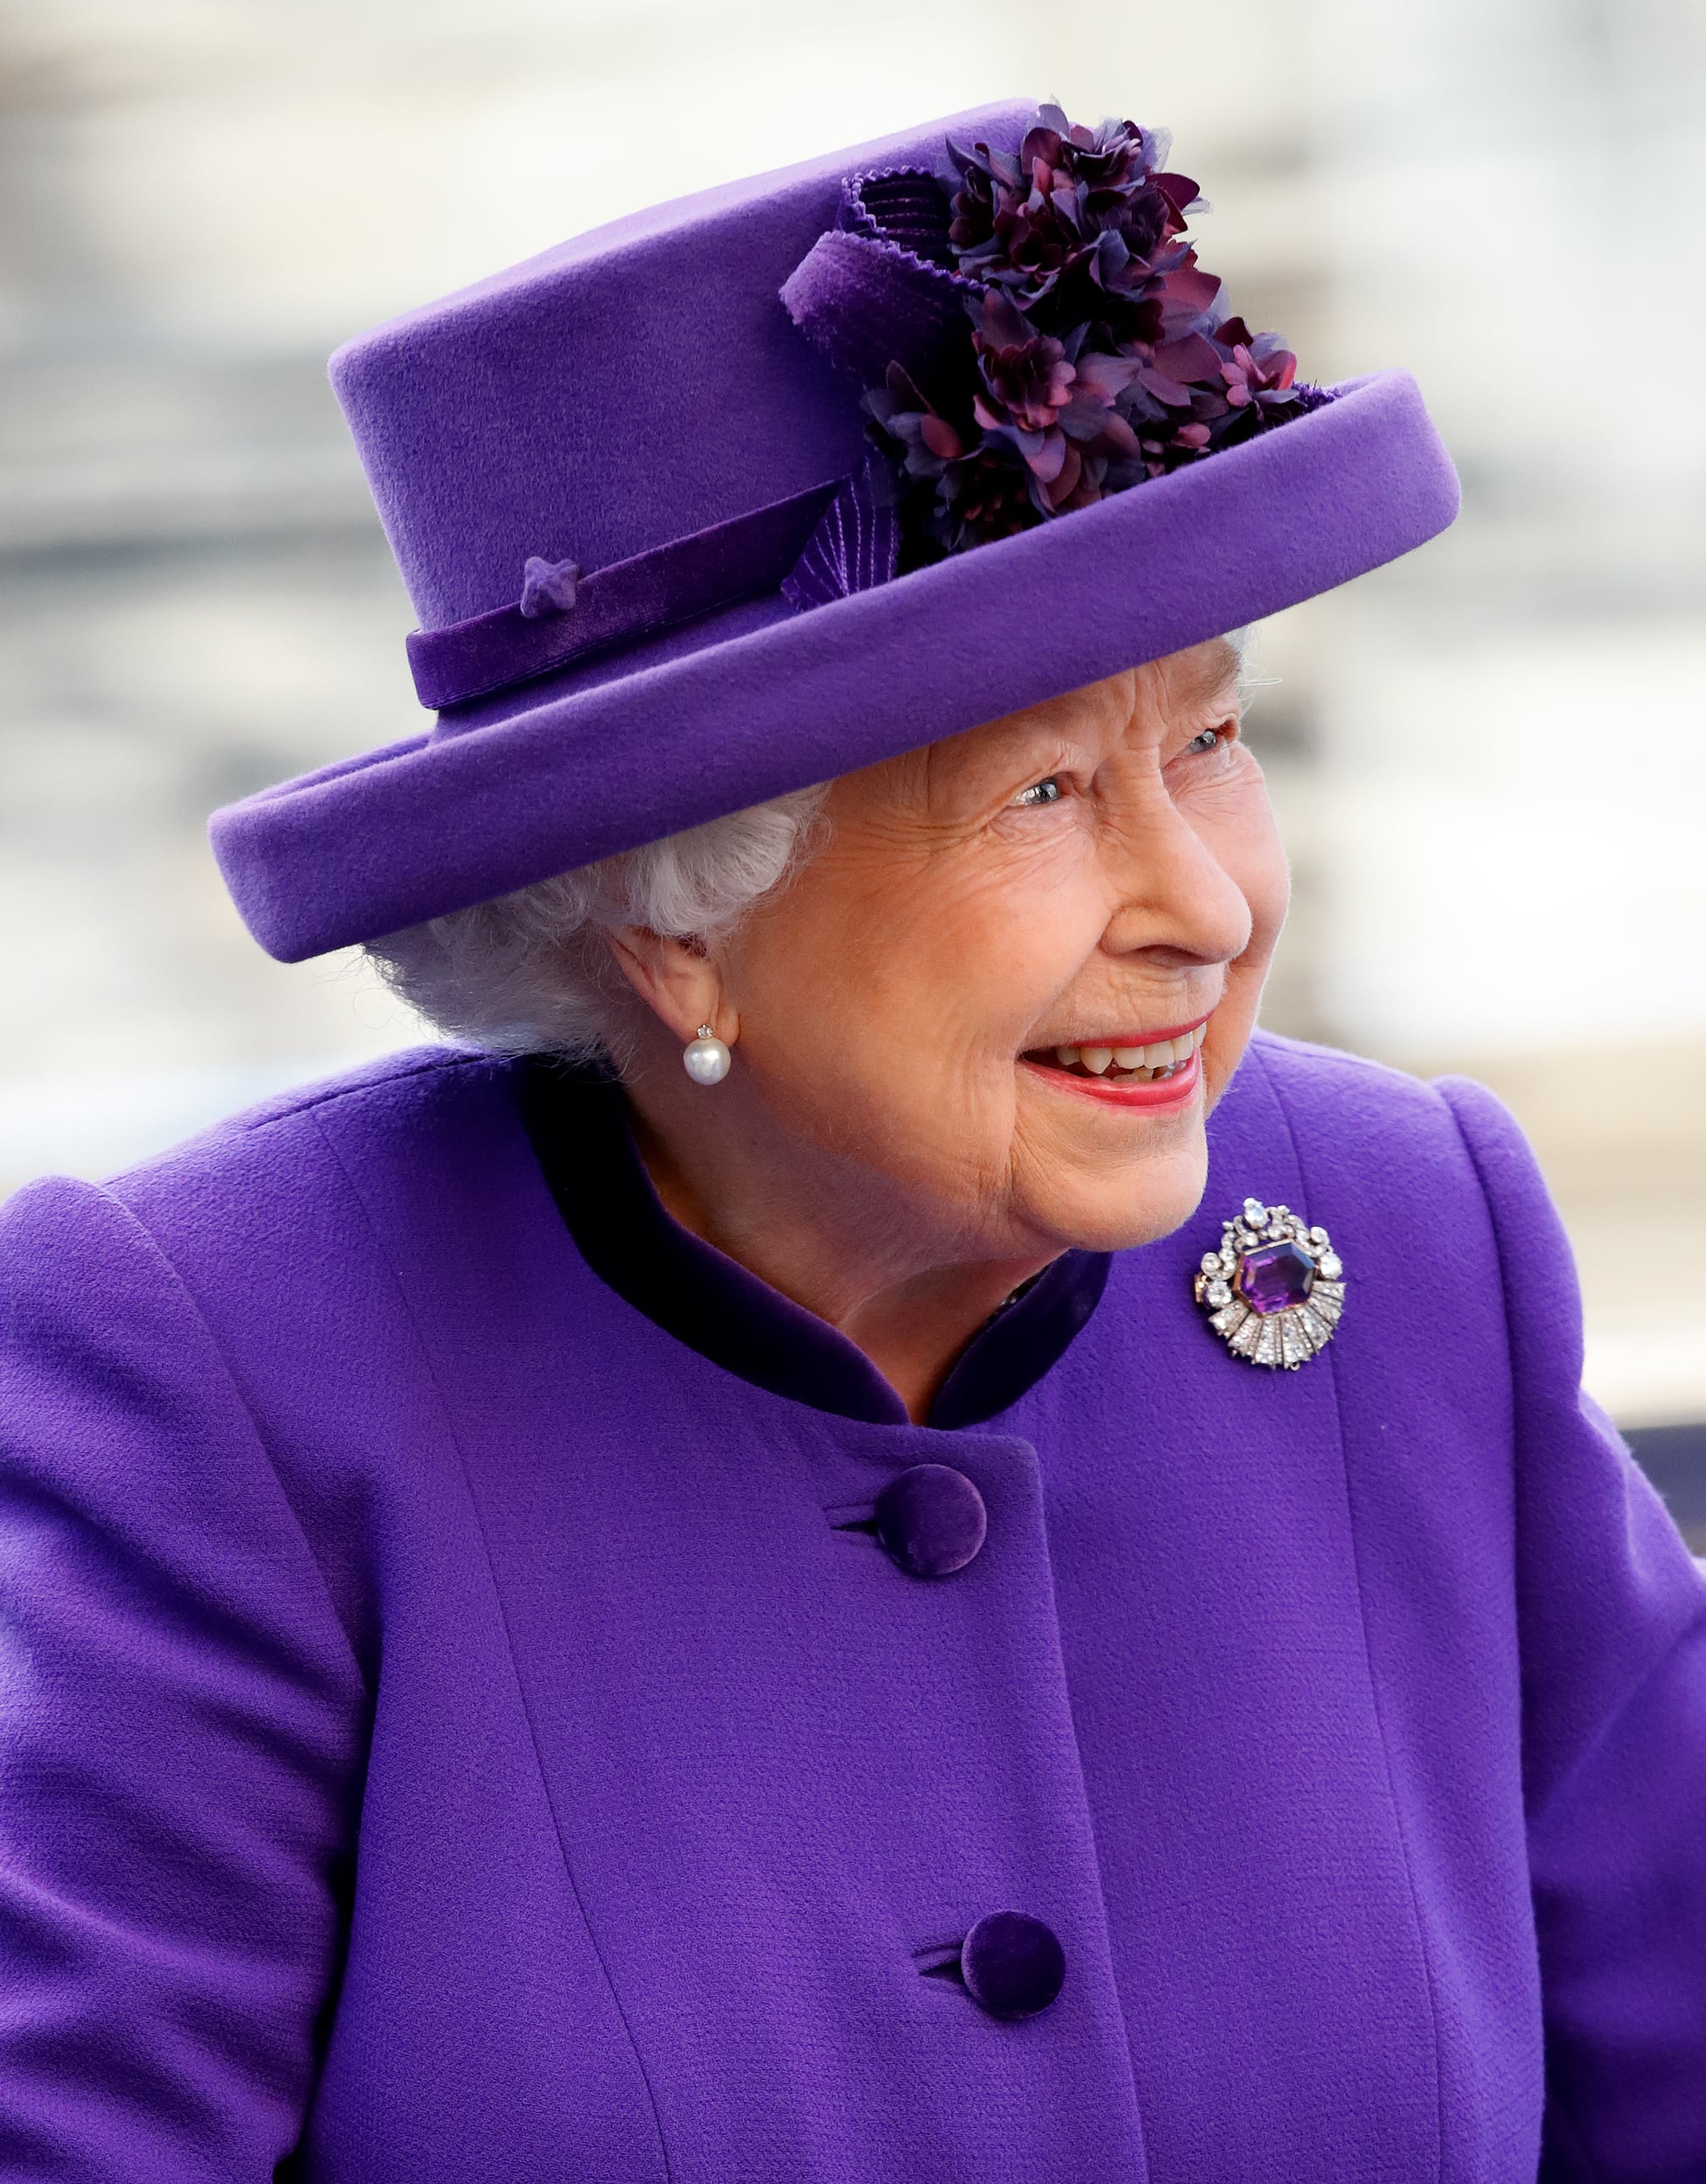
[(1191, 358)]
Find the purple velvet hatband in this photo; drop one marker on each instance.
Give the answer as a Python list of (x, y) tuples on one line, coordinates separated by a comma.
[(496, 432), (564, 616)]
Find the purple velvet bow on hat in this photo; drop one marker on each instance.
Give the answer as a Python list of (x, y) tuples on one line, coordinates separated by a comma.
[(548, 588)]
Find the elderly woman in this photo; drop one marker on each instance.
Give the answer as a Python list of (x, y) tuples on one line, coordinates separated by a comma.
[(999, 1578)]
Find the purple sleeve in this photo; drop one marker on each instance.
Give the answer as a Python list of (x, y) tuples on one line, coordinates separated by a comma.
[(1612, 1615), (180, 1730)]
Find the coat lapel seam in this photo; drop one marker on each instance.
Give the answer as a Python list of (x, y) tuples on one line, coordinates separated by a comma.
[(447, 1411), (1332, 1361)]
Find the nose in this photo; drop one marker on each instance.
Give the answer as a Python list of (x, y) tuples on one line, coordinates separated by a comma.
[(1177, 903)]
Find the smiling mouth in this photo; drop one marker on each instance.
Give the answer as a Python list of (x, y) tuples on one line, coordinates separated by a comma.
[(1148, 1061)]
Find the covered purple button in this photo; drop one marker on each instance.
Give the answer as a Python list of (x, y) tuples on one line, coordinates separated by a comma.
[(931, 1519), (1012, 1965)]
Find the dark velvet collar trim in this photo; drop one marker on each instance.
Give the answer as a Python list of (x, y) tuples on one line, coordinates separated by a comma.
[(577, 1122)]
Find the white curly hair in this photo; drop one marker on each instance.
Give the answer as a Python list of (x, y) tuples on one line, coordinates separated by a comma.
[(532, 972)]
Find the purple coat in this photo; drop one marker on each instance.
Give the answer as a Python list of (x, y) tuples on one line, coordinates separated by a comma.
[(444, 1728)]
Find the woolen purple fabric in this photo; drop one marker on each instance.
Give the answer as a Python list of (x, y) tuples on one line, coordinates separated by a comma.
[(444, 1729), (645, 383)]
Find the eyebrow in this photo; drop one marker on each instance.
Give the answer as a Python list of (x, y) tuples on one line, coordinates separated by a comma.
[(1225, 669)]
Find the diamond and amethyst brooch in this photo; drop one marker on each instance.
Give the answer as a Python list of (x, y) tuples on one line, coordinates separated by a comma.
[(1275, 1290)]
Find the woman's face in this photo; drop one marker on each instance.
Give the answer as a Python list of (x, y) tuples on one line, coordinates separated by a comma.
[(1098, 874)]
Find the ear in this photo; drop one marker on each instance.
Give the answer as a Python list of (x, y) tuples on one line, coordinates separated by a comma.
[(678, 980)]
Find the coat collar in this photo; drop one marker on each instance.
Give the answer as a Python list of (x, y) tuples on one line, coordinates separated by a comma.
[(577, 1122)]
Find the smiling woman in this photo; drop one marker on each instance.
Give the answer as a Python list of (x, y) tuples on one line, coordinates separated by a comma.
[(579, 1616), (1031, 914)]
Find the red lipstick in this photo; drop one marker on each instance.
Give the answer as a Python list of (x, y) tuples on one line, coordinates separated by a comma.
[(1167, 1093)]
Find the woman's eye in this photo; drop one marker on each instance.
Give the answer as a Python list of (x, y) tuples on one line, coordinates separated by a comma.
[(1039, 791), (1206, 742)]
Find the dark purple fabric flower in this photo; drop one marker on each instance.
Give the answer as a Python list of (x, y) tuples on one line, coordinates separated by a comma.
[(1077, 211), (1027, 380), (1259, 371), (1056, 409), (986, 494), (1100, 351)]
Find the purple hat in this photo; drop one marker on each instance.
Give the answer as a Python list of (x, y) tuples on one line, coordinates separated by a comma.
[(757, 487)]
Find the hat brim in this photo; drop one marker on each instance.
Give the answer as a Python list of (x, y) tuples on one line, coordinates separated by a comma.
[(706, 721)]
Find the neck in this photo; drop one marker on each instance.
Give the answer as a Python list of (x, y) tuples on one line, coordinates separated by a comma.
[(834, 1238)]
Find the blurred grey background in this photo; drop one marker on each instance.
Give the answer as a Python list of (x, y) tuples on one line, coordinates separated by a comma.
[(1490, 759)]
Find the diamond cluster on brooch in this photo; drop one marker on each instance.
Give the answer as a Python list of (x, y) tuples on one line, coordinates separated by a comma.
[(1275, 1290)]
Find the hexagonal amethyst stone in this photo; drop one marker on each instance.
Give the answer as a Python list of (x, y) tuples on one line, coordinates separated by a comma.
[(1276, 1277)]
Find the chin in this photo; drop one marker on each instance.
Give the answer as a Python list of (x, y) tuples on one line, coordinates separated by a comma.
[(1137, 1205)]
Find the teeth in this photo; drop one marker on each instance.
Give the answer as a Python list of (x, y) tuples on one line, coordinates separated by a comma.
[(1141, 1063)]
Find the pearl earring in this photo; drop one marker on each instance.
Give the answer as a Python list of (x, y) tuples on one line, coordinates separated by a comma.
[(706, 1059)]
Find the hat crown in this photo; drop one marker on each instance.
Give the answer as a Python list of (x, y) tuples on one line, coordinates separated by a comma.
[(639, 383)]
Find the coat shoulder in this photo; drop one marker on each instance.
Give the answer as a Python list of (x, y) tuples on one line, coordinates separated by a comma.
[(266, 1194), (280, 1141), (1362, 1122), (1325, 1086)]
